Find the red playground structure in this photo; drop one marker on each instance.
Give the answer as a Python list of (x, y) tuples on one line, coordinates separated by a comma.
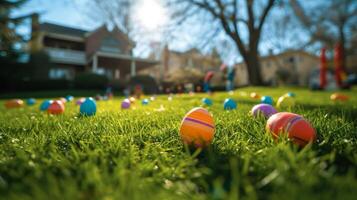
[(340, 73)]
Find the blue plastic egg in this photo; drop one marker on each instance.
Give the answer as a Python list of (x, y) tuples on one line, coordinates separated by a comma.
[(267, 100), (45, 104), (229, 104), (69, 98), (88, 107), (291, 94), (30, 101), (145, 101), (207, 101)]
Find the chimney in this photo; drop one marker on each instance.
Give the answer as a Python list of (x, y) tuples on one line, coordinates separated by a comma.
[(35, 44)]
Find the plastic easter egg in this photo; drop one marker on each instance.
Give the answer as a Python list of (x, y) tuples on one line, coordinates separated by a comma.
[(110, 95), (145, 101), (105, 98), (267, 100), (56, 108), (88, 107), (298, 129), (132, 100), (285, 102), (14, 103), (229, 104), (125, 104), (339, 97), (98, 97), (265, 110), (30, 101), (64, 100), (80, 101), (69, 98), (207, 101), (152, 98), (45, 104), (197, 128), (290, 94), (254, 95)]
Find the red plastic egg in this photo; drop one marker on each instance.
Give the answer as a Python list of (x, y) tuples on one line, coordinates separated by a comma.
[(298, 129), (56, 107)]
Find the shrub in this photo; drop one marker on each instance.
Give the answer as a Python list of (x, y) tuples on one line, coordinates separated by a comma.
[(90, 81)]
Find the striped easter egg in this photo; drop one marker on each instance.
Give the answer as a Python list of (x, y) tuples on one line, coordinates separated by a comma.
[(298, 129), (197, 128)]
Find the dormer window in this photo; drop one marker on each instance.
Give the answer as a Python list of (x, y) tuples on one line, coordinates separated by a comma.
[(110, 45)]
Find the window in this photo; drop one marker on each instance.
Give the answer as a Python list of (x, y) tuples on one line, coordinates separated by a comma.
[(106, 72), (291, 59), (59, 73), (100, 71), (117, 74), (110, 45)]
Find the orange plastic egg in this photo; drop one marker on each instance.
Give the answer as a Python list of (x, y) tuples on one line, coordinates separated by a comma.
[(197, 128), (132, 100), (56, 107), (254, 95), (298, 129), (14, 103), (339, 97)]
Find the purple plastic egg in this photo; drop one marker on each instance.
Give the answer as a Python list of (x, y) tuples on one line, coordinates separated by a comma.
[(263, 109), (80, 101), (125, 104)]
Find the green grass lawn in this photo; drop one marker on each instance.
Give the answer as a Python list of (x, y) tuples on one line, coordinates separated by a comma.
[(138, 154)]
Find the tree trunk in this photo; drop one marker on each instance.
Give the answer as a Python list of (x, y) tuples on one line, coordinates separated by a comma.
[(253, 68), (342, 43)]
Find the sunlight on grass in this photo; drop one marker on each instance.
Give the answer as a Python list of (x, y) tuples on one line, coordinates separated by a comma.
[(138, 154)]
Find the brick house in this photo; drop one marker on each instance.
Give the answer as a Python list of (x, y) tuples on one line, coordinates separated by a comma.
[(72, 51), (171, 60)]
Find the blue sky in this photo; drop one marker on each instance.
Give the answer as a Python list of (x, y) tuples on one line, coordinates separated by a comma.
[(65, 12), (76, 13), (73, 13)]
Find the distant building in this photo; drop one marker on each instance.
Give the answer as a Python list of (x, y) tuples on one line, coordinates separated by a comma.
[(171, 60), (296, 67), (73, 51)]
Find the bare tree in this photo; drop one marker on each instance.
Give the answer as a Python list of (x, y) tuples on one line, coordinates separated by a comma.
[(283, 31), (113, 12), (242, 21), (328, 21)]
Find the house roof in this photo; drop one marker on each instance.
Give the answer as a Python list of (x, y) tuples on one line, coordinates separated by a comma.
[(63, 30)]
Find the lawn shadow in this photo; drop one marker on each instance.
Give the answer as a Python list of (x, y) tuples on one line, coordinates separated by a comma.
[(226, 170)]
